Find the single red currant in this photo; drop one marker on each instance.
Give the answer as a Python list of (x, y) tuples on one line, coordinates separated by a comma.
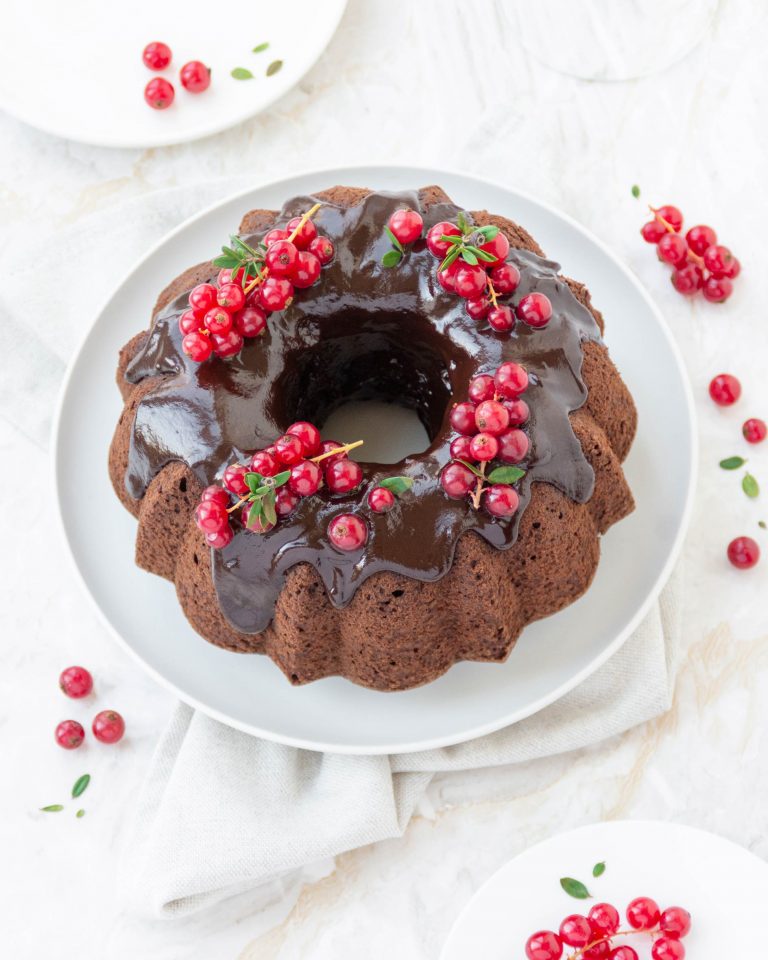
[(406, 225), (227, 344), (437, 247), (673, 249), (265, 464), (653, 231), (498, 248), (380, 500), (197, 346), (447, 278), (281, 257), (306, 271), (483, 446), (457, 480), (460, 448), (289, 449), (717, 260), (518, 412), (478, 308), (675, 923), (343, 476), (156, 55), (348, 532), (505, 278), (699, 238), (231, 297), (511, 380), (604, 918), (195, 76), (463, 418), (754, 430), (470, 281), (218, 321), (323, 249), (309, 436), (259, 524), (286, 501), (743, 552), (672, 216), (211, 516), (501, 319), (624, 952), (274, 235), (717, 289), (226, 276), (575, 931), (76, 682), (535, 310), (326, 446), (501, 500), (190, 321), (276, 293), (733, 269), (219, 540), (234, 479), (481, 388), (305, 478), (725, 389), (203, 297), (492, 417), (643, 913), (687, 279), (217, 494), (305, 233), (599, 951), (250, 321), (69, 734), (667, 949), (108, 726), (544, 945), (513, 445)]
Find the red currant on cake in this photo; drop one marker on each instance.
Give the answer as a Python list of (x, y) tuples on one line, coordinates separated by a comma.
[(498, 247), (76, 682), (305, 478), (219, 539), (470, 281), (743, 552), (306, 270), (69, 734), (381, 500), (327, 446), (218, 321), (286, 501), (348, 532), (505, 278), (406, 225), (234, 479), (457, 480), (276, 293), (481, 388), (447, 277), (305, 232), (518, 412), (483, 447), (203, 297), (544, 945), (210, 516), (250, 321), (511, 380), (725, 389), (492, 417), (463, 418), (460, 448), (501, 500), (478, 308), (437, 246), (231, 296), (343, 476), (513, 445), (323, 249), (195, 76), (501, 319), (159, 93), (643, 913), (272, 236), (281, 257), (217, 494), (108, 726), (156, 55), (309, 436), (535, 309), (227, 344), (289, 449), (754, 430)]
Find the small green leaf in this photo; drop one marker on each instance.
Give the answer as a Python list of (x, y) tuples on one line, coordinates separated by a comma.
[(490, 232), (226, 261), (273, 68), (254, 514), (398, 485), (635, 191), (575, 888), (80, 814), (268, 506), (732, 463), (483, 254), (450, 257), (450, 239), (253, 481), (240, 73), (53, 808), (260, 48), (474, 470), (81, 785), (762, 524), (599, 869), (506, 475), (393, 240), (468, 256), (279, 479), (462, 222), (750, 486), (391, 258)]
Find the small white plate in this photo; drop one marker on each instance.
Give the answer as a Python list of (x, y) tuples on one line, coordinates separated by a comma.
[(722, 885), (73, 68), (551, 657)]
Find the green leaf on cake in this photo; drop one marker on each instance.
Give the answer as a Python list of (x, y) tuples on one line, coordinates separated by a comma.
[(279, 479), (482, 254), (393, 240), (750, 486), (463, 223), (470, 466), (240, 73), (254, 514), (490, 232), (391, 258), (506, 475), (452, 255), (268, 507), (468, 256), (81, 785), (575, 888), (273, 68), (732, 463), (253, 481), (397, 485)]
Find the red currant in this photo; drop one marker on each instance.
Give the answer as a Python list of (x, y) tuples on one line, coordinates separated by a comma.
[(76, 682), (226, 276), (623, 952), (643, 913), (463, 418), (447, 278), (483, 446), (250, 321), (513, 445), (460, 448), (501, 500), (492, 417), (347, 532), (673, 249), (437, 247), (575, 931), (326, 446), (305, 233), (190, 321), (754, 430), (406, 225), (511, 380), (289, 449), (274, 235), (717, 289), (666, 949), (733, 269), (505, 278), (307, 270), (743, 552), (276, 293), (231, 297), (108, 726), (470, 281), (675, 923), (457, 480), (501, 319), (672, 216), (725, 389), (343, 476), (498, 248), (653, 231), (258, 524), (159, 93), (69, 734), (234, 479), (323, 249), (535, 310), (544, 945), (281, 257), (227, 344), (518, 412), (203, 297), (604, 918), (481, 388), (305, 478), (687, 279), (309, 436), (211, 516), (717, 260), (218, 540), (217, 494), (156, 55), (265, 464), (195, 76), (699, 238), (380, 500), (218, 321), (478, 308), (599, 951), (286, 501), (197, 346)]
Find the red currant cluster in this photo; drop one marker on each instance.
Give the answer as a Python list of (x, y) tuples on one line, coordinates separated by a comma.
[(253, 282), (489, 427), (699, 262), (473, 266), (107, 726), (592, 935), (159, 93)]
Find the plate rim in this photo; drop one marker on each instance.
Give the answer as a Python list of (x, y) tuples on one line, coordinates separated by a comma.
[(128, 143), (479, 730)]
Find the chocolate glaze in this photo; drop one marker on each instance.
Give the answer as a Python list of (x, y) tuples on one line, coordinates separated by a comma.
[(361, 332)]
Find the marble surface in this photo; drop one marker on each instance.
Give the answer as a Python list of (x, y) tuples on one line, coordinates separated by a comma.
[(695, 135)]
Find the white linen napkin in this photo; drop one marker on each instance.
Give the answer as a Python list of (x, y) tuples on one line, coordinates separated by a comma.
[(222, 812)]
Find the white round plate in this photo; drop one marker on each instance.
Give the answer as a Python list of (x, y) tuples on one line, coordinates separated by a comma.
[(73, 68), (722, 885), (551, 657)]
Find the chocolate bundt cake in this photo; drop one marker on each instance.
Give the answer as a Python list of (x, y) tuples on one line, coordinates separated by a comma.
[(493, 526)]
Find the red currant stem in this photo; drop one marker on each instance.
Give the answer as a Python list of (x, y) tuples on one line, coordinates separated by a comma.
[(343, 449), (492, 293), (265, 272), (665, 223), (696, 258), (239, 503), (479, 487), (608, 937)]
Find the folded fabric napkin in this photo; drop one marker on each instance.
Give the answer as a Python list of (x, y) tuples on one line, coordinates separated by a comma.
[(222, 812)]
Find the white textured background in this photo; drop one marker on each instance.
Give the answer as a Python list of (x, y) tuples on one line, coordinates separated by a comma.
[(696, 135)]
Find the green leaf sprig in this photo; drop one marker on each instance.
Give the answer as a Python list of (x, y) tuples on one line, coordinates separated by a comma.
[(468, 243), (242, 256), (397, 485), (392, 257), (262, 514), (497, 475)]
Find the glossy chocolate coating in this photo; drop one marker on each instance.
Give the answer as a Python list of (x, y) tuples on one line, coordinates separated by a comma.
[(361, 332)]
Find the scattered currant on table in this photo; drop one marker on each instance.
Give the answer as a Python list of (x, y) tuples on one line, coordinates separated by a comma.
[(195, 76), (698, 261), (156, 55), (743, 553), (159, 93), (76, 682), (69, 734), (754, 430), (489, 429), (725, 389), (108, 726)]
